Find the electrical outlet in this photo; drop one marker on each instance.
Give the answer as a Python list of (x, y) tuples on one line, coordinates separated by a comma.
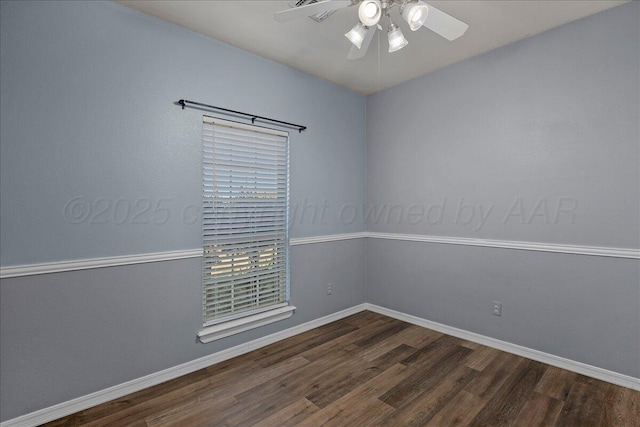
[(497, 308), (329, 289)]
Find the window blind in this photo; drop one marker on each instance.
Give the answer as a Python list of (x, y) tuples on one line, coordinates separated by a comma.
[(245, 219)]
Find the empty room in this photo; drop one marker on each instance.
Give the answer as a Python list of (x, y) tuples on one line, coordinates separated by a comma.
[(319, 213)]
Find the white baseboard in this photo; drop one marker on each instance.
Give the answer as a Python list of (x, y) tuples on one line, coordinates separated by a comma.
[(84, 402), (529, 353)]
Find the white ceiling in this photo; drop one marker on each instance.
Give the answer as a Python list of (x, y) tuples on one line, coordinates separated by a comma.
[(320, 49)]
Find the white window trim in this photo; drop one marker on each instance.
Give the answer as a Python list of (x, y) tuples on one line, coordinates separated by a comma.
[(226, 329)]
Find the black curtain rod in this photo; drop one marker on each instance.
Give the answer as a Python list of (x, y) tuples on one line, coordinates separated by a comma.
[(254, 117)]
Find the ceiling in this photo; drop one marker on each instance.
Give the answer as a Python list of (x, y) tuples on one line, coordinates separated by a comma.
[(320, 49)]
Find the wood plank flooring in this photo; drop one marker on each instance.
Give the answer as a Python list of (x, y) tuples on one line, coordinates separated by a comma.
[(371, 370)]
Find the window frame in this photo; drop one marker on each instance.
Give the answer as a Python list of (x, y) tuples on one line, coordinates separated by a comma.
[(217, 328)]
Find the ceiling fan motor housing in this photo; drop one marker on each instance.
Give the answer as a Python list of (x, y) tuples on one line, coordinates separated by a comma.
[(370, 12)]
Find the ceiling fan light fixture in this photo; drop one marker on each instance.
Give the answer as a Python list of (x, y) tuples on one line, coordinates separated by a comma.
[(370, 12), (396, 38), (415, 14), (356, 35)]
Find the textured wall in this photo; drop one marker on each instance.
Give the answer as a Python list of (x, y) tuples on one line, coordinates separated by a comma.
[(490, 148), (65, 335), (514, 134), (88, 122), (89, 130), (583, 308)]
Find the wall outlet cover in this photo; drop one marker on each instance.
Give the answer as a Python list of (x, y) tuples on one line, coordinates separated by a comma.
[(497, 308)]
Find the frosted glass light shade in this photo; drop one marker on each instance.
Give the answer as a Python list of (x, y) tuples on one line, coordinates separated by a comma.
[(396, 39), (356, 35), (415, 14)]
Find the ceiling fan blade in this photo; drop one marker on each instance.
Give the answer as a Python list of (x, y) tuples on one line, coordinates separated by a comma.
[(356, 53), (444, 24), (310, 9)]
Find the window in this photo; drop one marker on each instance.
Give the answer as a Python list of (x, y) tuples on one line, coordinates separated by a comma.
[(245, 227)]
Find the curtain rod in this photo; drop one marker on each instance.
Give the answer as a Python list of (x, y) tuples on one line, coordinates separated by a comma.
[(254, 117)]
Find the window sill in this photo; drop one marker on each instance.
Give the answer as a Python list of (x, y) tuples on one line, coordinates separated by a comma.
[(232, 327)]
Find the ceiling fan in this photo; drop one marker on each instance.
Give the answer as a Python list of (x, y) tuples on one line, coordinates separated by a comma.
[(371, 13)]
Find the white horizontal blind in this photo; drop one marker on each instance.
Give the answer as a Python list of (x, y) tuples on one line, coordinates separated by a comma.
[(245, 219)]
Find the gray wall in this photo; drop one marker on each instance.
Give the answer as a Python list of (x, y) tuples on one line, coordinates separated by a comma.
[(65, 335), (583, 308), (551, 119), (88, 120)]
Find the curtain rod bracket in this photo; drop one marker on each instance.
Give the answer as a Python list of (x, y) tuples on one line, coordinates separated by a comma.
[(253, 117)]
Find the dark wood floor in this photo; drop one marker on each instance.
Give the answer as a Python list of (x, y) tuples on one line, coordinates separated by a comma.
[(371, 370)]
